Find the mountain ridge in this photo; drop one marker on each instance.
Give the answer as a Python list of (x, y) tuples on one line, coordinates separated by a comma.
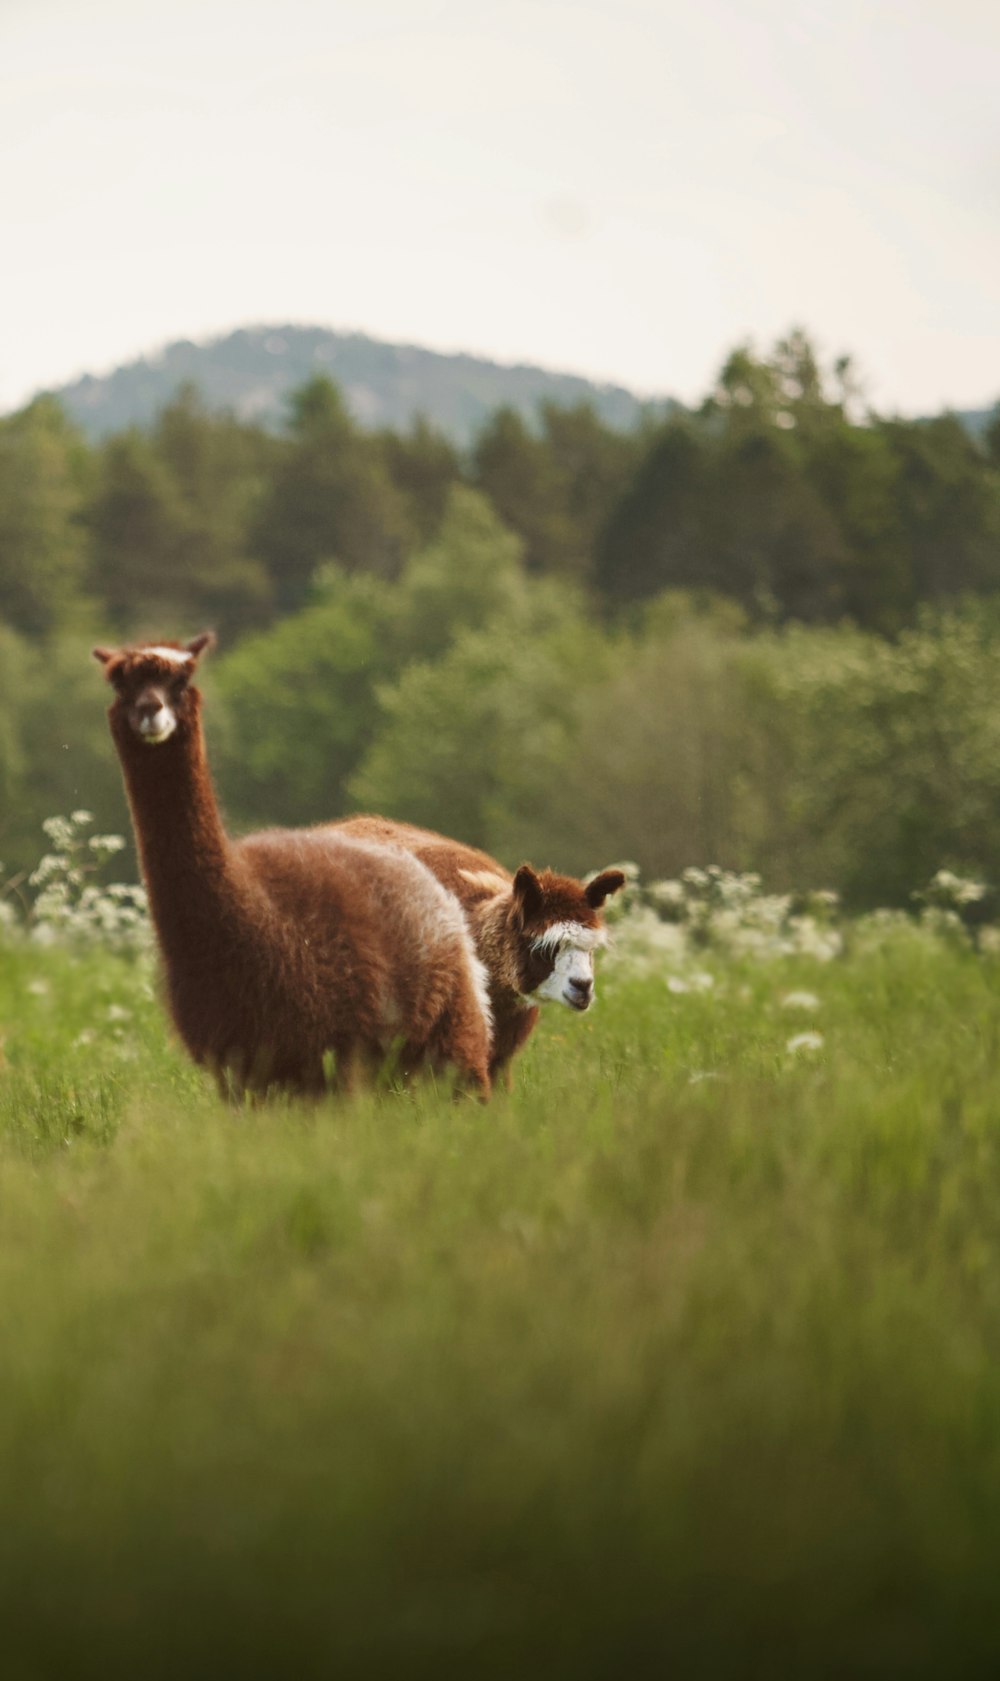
[(252, 371)]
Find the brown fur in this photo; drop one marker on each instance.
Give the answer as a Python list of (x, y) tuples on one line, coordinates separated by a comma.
[(506, 914), (290, 944)]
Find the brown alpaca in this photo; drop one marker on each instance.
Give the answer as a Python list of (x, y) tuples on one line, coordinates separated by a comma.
[(535, 933), (291, 944)]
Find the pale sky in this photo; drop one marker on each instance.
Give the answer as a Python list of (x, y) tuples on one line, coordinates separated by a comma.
[(619, 188)]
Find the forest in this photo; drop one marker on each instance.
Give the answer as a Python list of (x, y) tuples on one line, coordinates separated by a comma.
[(761, 633)]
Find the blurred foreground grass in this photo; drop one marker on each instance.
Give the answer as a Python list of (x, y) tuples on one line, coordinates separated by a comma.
[(681, 1359)]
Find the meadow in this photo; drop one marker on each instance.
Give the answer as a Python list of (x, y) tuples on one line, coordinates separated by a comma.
[(679, 1358)]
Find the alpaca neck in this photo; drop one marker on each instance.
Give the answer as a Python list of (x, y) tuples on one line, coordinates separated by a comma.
[(185, 854), (491, 926)]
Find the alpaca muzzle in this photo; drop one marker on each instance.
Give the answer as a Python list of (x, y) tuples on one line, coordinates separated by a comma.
[(152, 718), (571, 981)]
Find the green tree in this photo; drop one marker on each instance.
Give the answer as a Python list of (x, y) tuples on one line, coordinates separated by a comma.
[(773, 495), (949, 508), (654, 538), (592, 465), (330, 498), (220, 468), (470, 575), (654, 768), (299, 704), (171, 518), (466, 741), (424, 466), (769, 538), (313, 684), (55, 751), (44, 472), (881, 755), (16, 660), (137, 522), (518, 472)]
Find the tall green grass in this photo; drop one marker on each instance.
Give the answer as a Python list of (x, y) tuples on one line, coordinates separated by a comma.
[(681, 1359)]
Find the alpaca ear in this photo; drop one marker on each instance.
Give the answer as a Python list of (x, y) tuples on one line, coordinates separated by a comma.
[(105, 655), (527, 892), (199, 644), (602, 886)]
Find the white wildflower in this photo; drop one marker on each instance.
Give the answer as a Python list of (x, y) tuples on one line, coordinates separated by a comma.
[(944, 922), (676, 983), (805, 1042), (800, 1001), (947, 888), (667, 895), (68, 906), (822, 901), (106, 844)]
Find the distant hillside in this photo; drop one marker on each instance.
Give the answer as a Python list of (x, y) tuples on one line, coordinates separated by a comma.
[(252, 371), (976, 420)]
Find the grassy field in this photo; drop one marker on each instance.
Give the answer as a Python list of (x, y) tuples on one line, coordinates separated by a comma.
[(681, 1359)]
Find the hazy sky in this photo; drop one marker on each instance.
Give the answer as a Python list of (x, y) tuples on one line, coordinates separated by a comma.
[(622, 188)]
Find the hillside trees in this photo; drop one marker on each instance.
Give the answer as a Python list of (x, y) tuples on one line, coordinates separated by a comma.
[(169, 523), (511, 466), (471, 574), (299, 704), (820, 757), (949, 509), (555, 487), (53, 744), (708, 638), (45, 471), (424, 466), (330, 498), (775, 496), (467, 743), (882, 758), (220, 468), (314, 687), (779, 493)]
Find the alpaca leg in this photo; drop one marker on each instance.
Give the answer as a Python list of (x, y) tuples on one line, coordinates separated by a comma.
[(343, 1069), (229, 1081), (510, 1036), (463, 1043), (505, 1075), (479, 1083)]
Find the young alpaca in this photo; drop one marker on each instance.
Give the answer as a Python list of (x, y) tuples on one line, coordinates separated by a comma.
[(535, 933), (290, 944)]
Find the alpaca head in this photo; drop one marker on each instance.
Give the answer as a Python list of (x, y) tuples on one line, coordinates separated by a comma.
[(558, 929), (151, 684)]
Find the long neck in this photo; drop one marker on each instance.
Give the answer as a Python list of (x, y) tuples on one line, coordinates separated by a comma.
[(186, 857)]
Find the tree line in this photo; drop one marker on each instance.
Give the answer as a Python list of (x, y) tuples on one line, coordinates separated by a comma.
[(777, 492), (760, 634)]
